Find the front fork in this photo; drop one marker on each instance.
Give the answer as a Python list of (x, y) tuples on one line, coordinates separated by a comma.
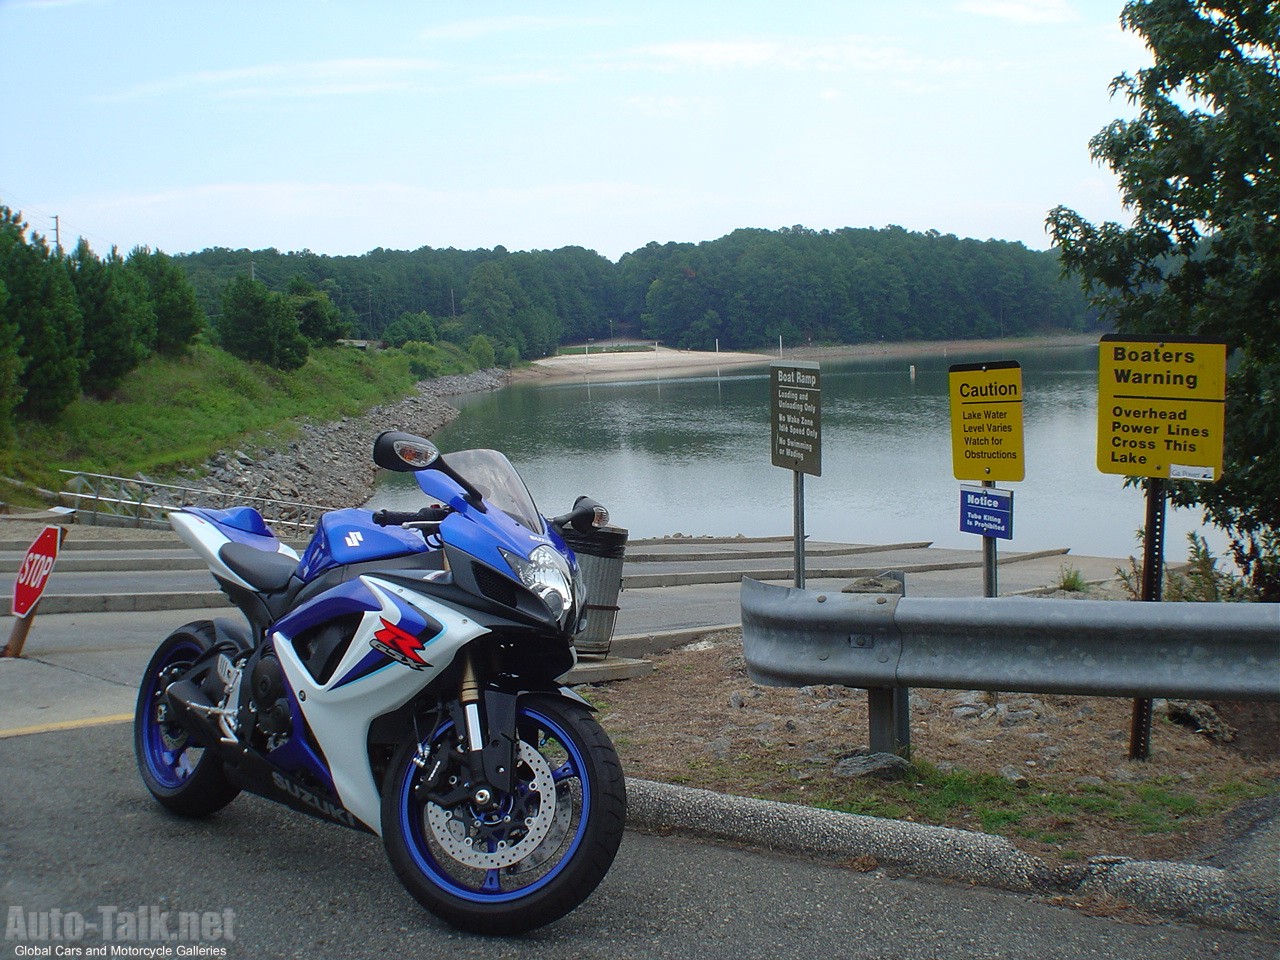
[(488, 720)]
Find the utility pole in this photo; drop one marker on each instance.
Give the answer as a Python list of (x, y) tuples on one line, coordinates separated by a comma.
[(252, 274), (57, 235)]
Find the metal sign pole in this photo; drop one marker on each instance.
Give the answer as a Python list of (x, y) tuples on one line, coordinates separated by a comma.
[(989, 586), (1152, 591), (799, 528)]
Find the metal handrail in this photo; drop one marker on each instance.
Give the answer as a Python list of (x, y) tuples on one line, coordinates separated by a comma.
[(121, 501)]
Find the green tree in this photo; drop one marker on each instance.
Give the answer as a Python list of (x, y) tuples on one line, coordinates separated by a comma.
[(42, 304), (10, 363), (480, 348), (119, 320), (1199, 168), (490, 302), (319, 319), (256, 324), (410, 326), (179, 318)]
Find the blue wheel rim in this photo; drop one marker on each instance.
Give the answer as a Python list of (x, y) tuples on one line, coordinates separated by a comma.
[(163, 762), (489, 891)]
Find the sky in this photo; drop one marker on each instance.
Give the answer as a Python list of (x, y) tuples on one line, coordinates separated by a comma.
[(341, 127)]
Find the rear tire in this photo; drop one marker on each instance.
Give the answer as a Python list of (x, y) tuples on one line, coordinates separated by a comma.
[(177, 770), (534, 855)]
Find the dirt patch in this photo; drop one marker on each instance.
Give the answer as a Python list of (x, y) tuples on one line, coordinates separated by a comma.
[(1051, 773)]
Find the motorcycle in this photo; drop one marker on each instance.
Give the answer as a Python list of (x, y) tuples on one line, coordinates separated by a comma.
[(400, 678)]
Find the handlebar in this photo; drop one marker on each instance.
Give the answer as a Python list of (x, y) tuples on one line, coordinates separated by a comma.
[(397, 518)]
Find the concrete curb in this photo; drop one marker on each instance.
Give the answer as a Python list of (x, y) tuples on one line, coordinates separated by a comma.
[(1204, 895)]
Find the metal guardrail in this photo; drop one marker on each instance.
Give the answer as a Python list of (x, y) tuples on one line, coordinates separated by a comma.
[(119, 501), (794, 637)]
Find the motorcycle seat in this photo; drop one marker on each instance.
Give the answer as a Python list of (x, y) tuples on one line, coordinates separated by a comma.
[(266, 571)]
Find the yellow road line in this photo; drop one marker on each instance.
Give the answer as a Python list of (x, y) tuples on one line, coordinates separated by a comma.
[(66, 725)]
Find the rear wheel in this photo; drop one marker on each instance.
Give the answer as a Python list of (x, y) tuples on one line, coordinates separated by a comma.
[(520, 860), (177, 770)]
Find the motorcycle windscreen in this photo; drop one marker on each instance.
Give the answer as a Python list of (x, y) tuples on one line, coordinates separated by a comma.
[(496, 479)]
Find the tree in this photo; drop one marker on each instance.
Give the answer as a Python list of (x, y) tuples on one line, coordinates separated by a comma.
[(481, 350), (178, 316), (1199, 167), (119, 321), (42, 304), (10, 364), (256, 324), (319, 320), (410, 326)]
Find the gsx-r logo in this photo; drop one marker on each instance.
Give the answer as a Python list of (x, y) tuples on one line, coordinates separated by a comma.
[(400, 645)]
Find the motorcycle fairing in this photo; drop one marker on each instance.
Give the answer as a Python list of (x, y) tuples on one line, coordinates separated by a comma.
[(340, 711), (345, 537), (243, 525), (206, 532)]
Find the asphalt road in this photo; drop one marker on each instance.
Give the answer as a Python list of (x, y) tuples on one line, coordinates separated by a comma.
[(79, 834)]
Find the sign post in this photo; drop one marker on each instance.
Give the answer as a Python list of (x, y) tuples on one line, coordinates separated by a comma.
[(33, 576), (1161, 414), (796, 434), (986, 445)]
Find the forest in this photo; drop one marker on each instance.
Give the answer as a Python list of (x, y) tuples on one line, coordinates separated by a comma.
[(742, 291), (75, 324)]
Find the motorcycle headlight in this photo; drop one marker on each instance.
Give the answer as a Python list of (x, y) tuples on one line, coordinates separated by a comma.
[(547, 574)]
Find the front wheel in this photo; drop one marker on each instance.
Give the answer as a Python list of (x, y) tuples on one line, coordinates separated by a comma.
[(178, 771), (525, 858)]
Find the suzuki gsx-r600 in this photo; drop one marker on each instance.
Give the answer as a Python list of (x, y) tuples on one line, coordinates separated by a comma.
[(400, 677)]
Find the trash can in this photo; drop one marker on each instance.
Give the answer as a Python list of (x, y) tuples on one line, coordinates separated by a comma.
[(600, 554)]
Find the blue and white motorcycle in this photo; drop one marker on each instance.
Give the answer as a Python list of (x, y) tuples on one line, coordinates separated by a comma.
[(401, 678)]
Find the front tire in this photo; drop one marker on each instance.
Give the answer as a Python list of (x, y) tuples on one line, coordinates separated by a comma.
[(177, 770), (532, 856)]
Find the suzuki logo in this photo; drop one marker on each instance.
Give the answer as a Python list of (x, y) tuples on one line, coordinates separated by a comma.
[(354, 538)]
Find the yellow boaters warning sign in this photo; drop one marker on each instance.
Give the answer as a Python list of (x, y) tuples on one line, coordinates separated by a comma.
[(1161, 403)]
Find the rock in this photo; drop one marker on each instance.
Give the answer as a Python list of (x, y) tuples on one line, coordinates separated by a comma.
[(1201, 718), (737, 701), (872, 585), (1014, 775), (877, 766), (328, 464)]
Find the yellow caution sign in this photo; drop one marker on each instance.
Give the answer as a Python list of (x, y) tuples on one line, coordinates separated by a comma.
[(986, 421), (1161, 405)]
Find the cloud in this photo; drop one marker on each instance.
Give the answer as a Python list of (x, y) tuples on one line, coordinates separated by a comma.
[(1021, 11), (489, 26), (320, 78), (787, 54)]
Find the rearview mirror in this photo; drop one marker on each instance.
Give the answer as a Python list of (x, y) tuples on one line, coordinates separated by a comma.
[(403, 452)]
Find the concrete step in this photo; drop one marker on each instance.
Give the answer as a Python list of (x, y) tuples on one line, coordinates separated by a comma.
[(733, 572), (115, 561), (122, 602), (702, 551)]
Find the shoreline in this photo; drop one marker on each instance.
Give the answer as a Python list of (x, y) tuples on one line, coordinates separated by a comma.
[(666, 362)]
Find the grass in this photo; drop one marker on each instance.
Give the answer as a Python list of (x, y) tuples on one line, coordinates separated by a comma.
[(620, 348), (1071, 579), (1060, 818), (171, 413)]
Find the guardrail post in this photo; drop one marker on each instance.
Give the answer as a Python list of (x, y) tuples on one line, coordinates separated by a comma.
[(889, 708)]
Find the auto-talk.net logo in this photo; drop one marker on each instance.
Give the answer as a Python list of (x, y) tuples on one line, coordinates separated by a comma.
[(399, 645)]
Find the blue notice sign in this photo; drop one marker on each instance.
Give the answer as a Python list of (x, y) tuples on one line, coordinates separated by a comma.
[(986, 511)]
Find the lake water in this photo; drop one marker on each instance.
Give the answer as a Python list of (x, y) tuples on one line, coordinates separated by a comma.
[(691, 455)]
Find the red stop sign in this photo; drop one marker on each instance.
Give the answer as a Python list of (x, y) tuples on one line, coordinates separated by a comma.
[(35, 570)]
